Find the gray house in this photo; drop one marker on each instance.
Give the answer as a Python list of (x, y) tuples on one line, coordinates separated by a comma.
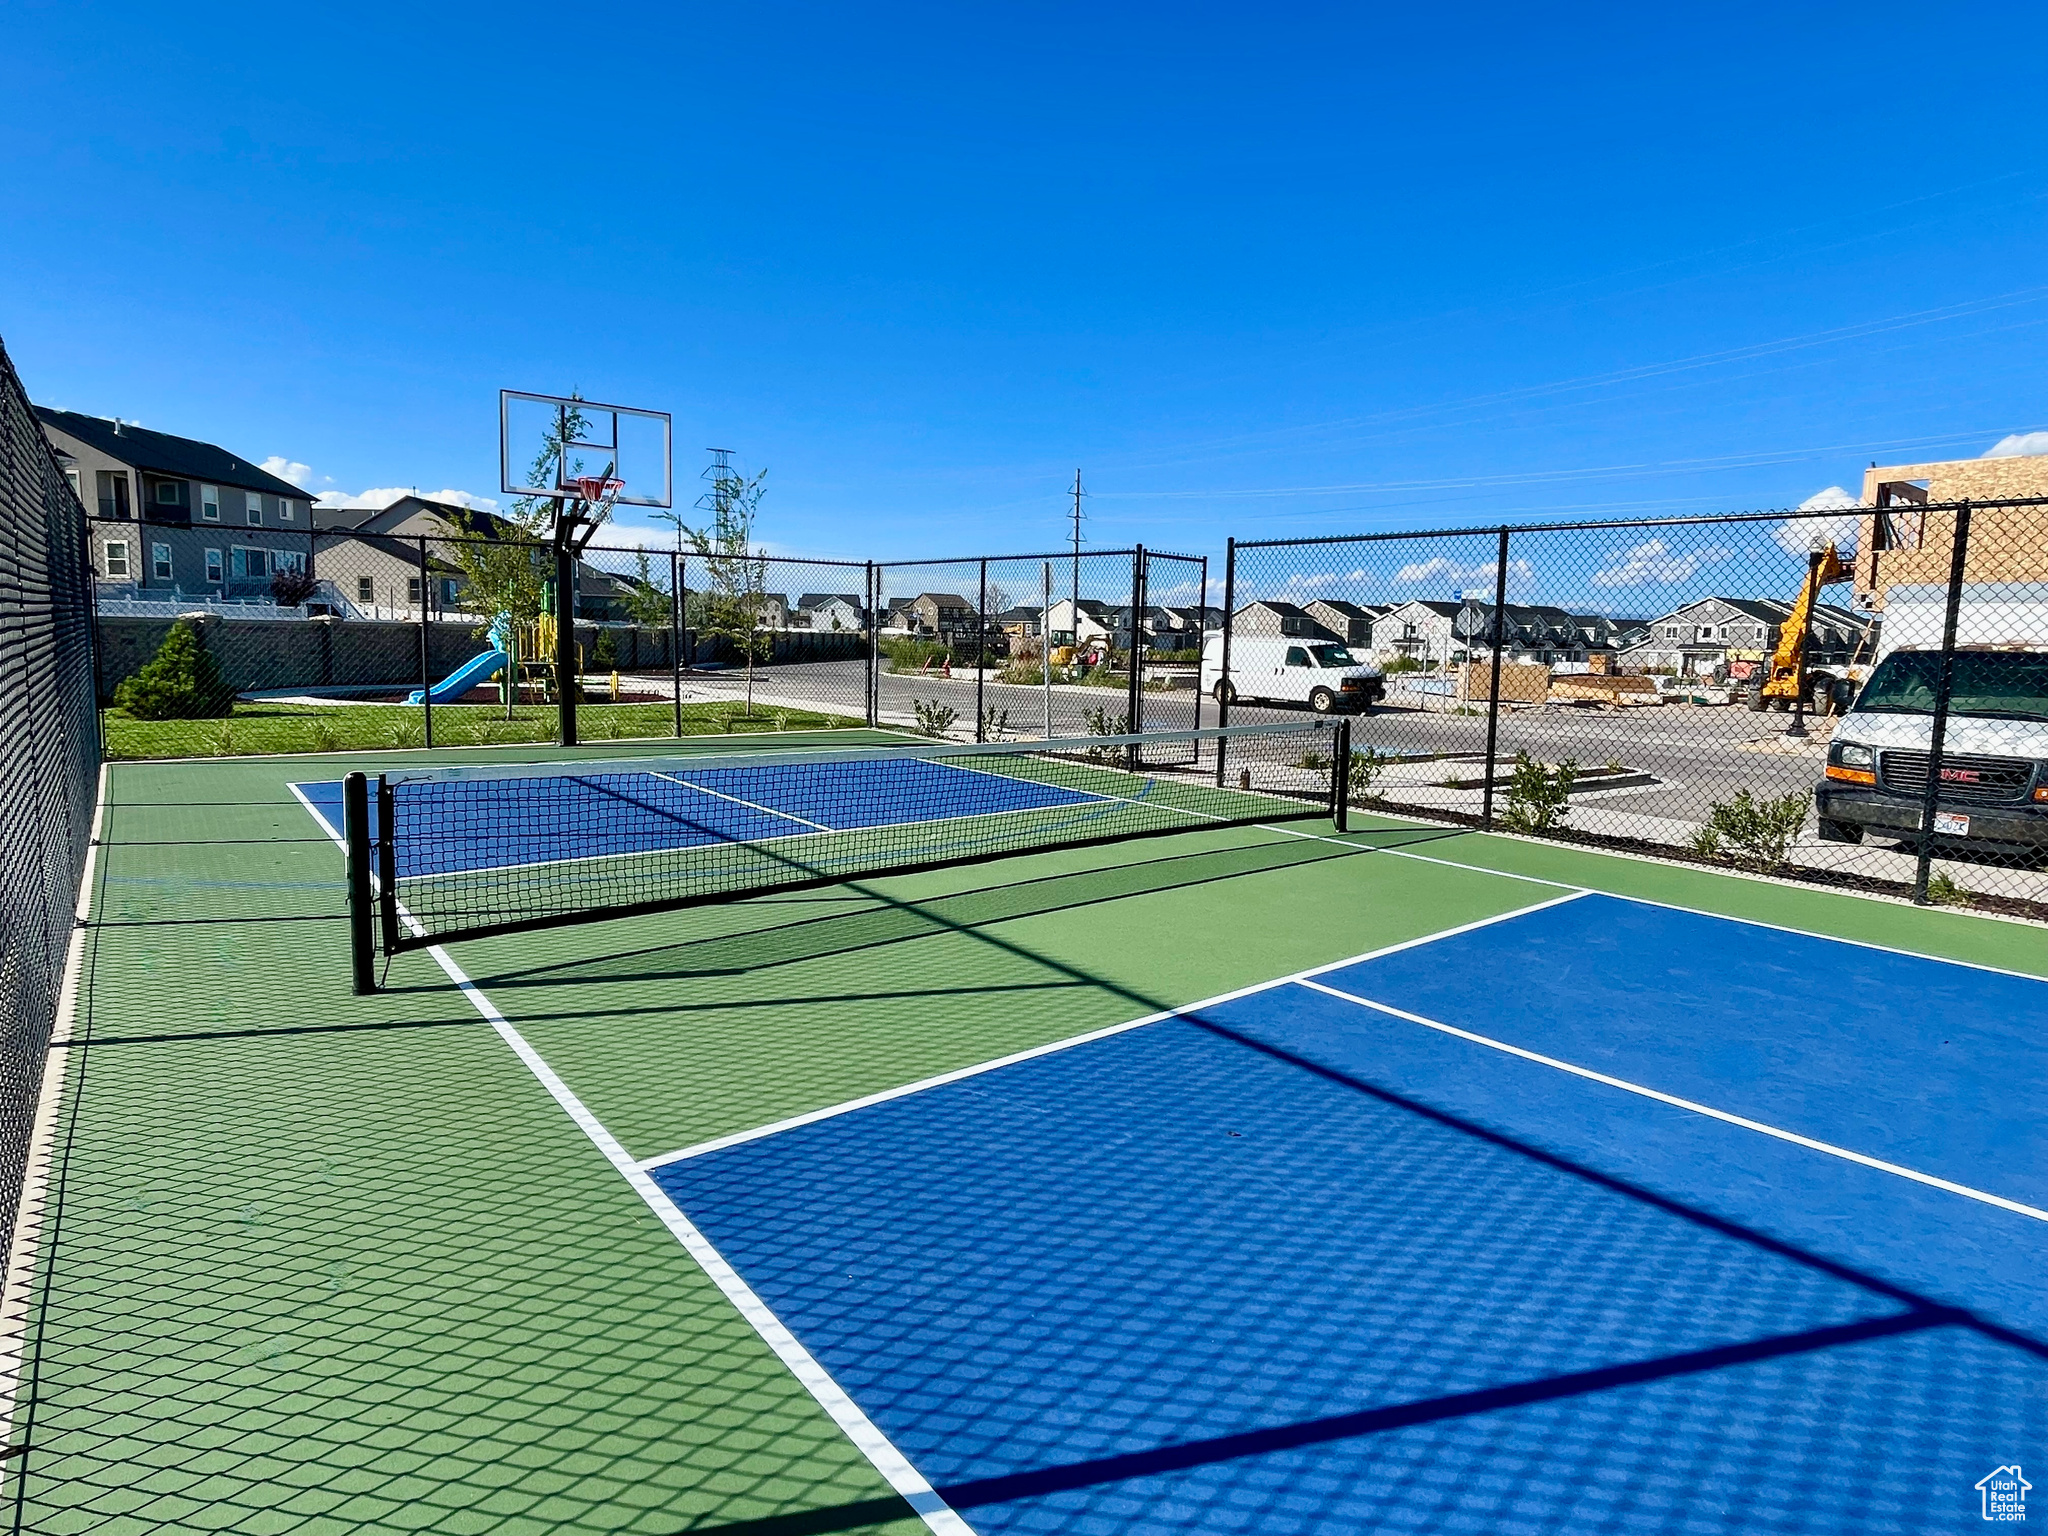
[(1349, 622), (1277, 618), (1701, 638), (176, 520)]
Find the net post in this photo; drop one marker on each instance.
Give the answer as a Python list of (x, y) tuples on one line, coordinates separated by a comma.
[(1201, 638), (426, 655), (675, 633), (1938, 735), (1223, 688), (1500, 631), (387, 866), (1340, 778), (362, 931), (874, 628), (568, 681), (981, 656), (1134, 708)]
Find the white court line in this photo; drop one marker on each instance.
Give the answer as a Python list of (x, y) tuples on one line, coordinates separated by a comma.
[(1660, 1097), (881, 1452), (833, 1111), (736, 800), (28, 1229)]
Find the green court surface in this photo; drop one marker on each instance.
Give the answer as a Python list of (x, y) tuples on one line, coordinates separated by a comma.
[(325, 1263)]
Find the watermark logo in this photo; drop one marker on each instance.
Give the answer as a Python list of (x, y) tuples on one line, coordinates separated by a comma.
[(2005, 1494)]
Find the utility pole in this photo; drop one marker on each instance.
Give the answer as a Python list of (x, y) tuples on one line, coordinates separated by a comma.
[(1076, 615)]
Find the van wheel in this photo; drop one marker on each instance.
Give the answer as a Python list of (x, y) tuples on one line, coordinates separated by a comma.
[(1224, 693), (1322, 701)]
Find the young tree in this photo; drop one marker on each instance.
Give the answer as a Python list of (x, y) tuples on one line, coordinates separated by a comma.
[(735, 578)]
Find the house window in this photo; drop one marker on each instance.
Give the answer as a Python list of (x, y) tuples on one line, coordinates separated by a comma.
[(366, 589), (113, 493), (253, 501), (117, 559), (412, 589), (449, 584), (285, 509), (250, 564), (71, 474), (213, 566), (160, 561), (167, 493), (209, 503), (1670, 631), (287, 560)]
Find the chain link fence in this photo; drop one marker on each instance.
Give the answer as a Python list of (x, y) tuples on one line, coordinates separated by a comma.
[(49, 768), (1855, 696)]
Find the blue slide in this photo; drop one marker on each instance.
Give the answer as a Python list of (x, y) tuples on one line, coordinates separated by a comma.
[(465, 677)]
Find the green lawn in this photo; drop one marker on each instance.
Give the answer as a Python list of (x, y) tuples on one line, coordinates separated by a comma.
[(255, 729)]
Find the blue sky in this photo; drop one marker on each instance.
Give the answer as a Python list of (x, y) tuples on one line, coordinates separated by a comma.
[(1258, 272)]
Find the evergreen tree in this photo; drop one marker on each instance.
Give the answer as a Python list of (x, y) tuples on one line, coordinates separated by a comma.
[(180, 682)]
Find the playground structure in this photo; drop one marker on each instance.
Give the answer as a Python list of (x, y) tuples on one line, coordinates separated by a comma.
[(505, 664)]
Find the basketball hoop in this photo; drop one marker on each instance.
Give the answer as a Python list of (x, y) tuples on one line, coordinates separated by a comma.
[(597, 488)]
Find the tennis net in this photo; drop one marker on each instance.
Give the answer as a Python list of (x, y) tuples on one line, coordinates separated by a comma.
[(441, 853)]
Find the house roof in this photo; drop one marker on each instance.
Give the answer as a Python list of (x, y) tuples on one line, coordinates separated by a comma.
[(1021, 611), (384, 519), (820, 599), (185, 458), (942, 600), (1339, 605), (1442, 610), (1285, 610)]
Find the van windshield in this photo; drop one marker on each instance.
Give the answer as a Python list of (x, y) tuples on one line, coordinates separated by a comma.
[(1333, 656), (2013, 684)]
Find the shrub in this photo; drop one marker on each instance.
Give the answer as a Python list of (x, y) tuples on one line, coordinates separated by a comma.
[(1402, 664), (995, 724), (180, 682), (1754, 833), (912, 655), (934, 718), (1539, 798), (289, 588), (1365, 768), (1944, 892), (604, 656)]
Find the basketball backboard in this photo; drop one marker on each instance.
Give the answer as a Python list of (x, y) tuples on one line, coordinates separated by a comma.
[(557, 445)]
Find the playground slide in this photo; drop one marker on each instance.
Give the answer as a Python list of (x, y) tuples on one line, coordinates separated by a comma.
[(465, 677)]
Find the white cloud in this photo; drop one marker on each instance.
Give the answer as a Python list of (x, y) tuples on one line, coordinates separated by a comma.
[(1440, 568), (380, 497), (1653, 563), (287, 469), (1798, 537), (2018, 445)]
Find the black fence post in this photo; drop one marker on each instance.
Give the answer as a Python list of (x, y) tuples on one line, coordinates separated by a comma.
[(873, 661), (1930, 802), (387, 866), (1340, 778), (568, 675), (1134, 710), (981, 655), (675, 632), (1223, 688), (426, 655), (1500, 636), (362, 917)]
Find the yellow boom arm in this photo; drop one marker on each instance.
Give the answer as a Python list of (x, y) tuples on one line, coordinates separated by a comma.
[(1784, 679)]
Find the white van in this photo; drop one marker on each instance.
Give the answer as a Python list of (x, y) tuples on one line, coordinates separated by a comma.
[(1278, 669)]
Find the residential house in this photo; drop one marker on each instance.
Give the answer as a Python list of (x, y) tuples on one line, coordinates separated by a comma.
[(1696, 640), (1900, 541), (1087, 623), (830, 612), (1023, 622), (1349, 622), (1182, 628), (1420, 631), (1271, 617), (1540, 633), (943, 615), (176, 520)]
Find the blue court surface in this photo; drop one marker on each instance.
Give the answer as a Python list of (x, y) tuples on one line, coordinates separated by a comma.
[(448, 827), (1600, 1216)]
